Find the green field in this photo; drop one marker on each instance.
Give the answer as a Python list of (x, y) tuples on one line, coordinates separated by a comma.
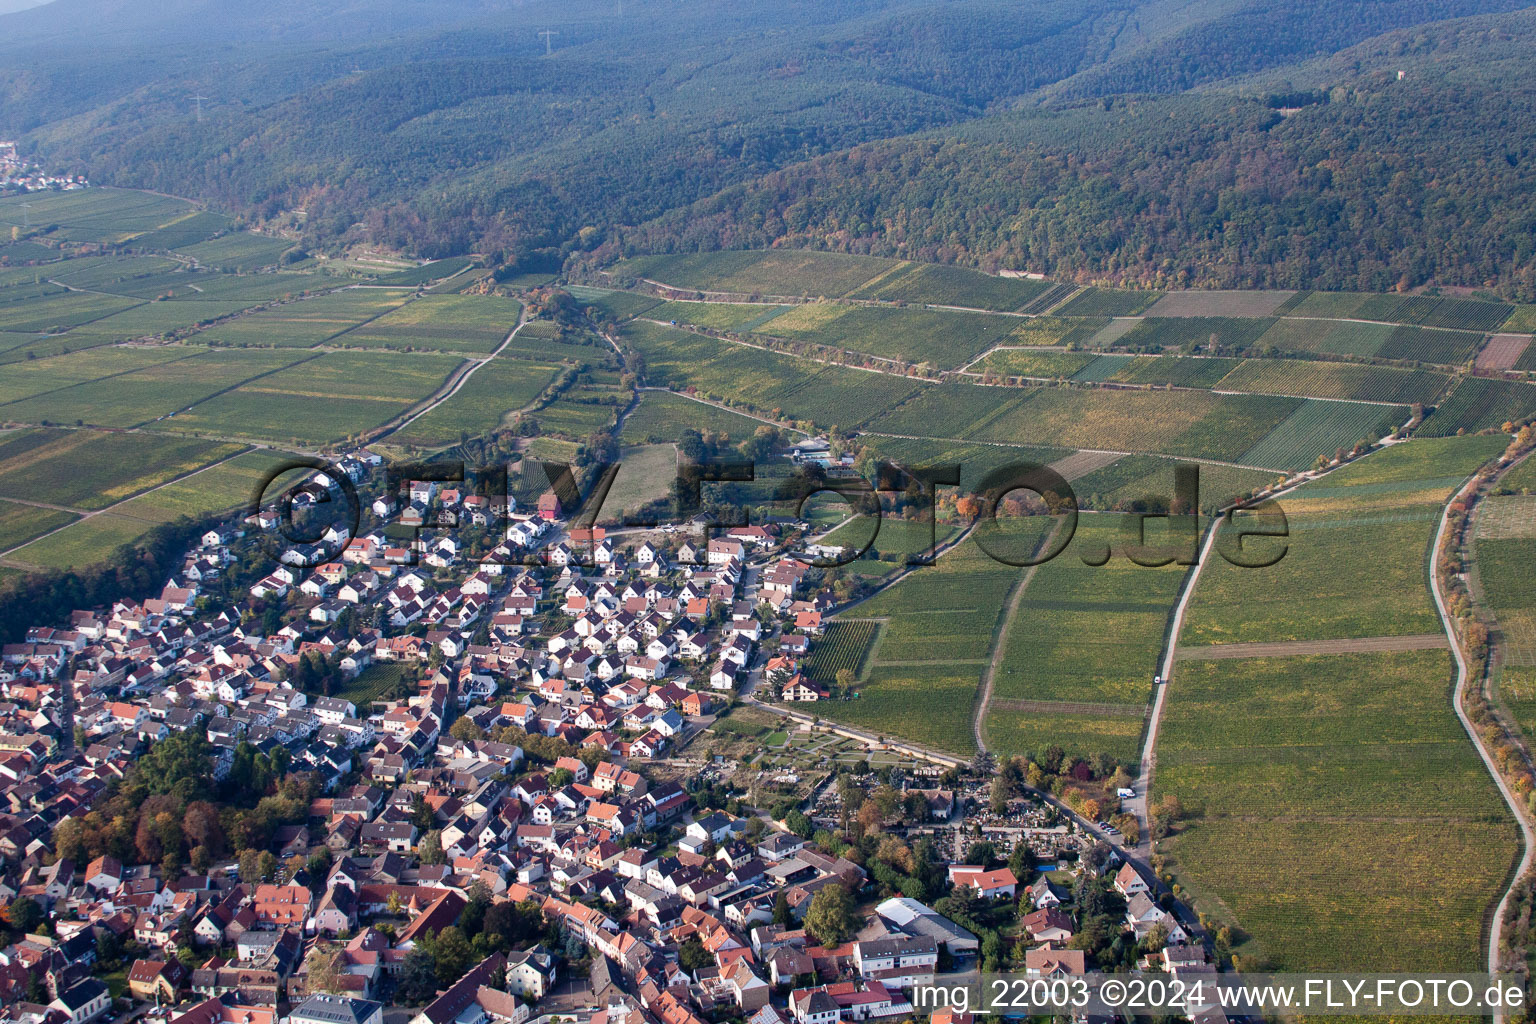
[(769, 272), (843, 645), (426, 273), (1144, 479), (944, 338), (647, 473), (196, 227), (1178, 332), (1166, 422), (306, 322), (94, 214), (39, 376), (82, 543), (1320, 428), (228, 485), (322, 399), (1178, 371), (923, 675), (613, 305), (1295, 770), (1337, 337), (87, 469), (1085, 635), (238, 250), (454, 323), (481, 405), (1344, 381), (663, 416), (144, 395), (764, 382), (1479, 403), (20, 523), (719, 316), (1107, 302), (1303, 762), (1023, 362), (1241, 605), (60, 311), (951, 286)]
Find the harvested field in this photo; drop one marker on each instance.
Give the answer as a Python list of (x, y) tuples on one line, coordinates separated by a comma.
[(1503, 351), (1219, 303)]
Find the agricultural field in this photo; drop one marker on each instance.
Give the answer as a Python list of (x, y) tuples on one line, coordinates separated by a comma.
[(178, 234), (1176, 371), (1023, 362), (81, 543), (767, 383), (60, 311), (886, 545), (1294, 770), (945, 339), (1427, 345), (844, 645), (1317, 428), (951, 286), (158, 319), (1344, 381), (663, 416), (483, 403), (238, 250), (454, 323), (1480, 403), (787, 272), (1146, 481), (424, 274), (87, 469), (1055, 330), (1362, 576), (228, 485), (1330, 337), (938, 629), (109, 273), (1086, 637), (1517, 692), (1424, 471), (144, 395), (320, 399), (1504, 573), (307, 322), (975, 460), (1107, 302), (40, 376), (615, 305), (1220, 304), (949, 410), (94, 214), (1165, 422), (1164, 333), (718, 316), (647, 473), (1102, 368), (20, 523), (1317, 749)]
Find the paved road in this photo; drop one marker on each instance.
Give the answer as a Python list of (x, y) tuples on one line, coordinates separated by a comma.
[(1496, 930)]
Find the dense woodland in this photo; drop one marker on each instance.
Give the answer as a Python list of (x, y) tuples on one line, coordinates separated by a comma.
[(1240, 142)]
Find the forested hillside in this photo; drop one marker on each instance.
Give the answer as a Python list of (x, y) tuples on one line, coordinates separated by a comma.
[(1372, 181), (1225, 142)]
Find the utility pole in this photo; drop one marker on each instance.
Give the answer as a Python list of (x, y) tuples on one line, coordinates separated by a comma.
[(199, 101), (548, 34)]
